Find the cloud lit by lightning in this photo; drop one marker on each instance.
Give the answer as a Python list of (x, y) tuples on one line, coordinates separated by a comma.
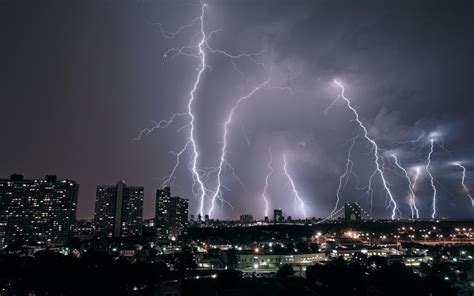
[(298, 199), (199, 48), (416, 177)]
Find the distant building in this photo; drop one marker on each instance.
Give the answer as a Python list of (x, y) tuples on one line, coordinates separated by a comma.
[(118, 210), (83, 229), (274, 261), (352, 212), (171, 214), (278, 215), (246, 218), (265, 219), (149, 222), (37, 210)]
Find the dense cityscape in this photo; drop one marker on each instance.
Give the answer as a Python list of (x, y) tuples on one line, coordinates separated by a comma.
[(45, 250)]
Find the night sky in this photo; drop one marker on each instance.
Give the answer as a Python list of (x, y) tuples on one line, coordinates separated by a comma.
[(80, 79)]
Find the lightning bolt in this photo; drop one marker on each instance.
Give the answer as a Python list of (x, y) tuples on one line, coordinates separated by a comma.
[(415, 179), (223, 162), (427, 169), (199, 51), (463, 179), (195, 156), (168, 181), (413, 208), (164, 123), (297, 196), (378, 161), (267, 177), (345, 175)]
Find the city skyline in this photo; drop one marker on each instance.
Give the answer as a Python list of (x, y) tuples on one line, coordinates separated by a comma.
[(405, 73)]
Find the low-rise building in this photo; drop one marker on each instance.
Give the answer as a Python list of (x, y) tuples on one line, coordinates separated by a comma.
[(274, 261)]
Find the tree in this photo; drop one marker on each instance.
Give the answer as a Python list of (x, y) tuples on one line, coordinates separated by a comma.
[(285, 271)]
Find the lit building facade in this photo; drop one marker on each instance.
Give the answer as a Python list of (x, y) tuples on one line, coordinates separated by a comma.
[(37, 210), (118, 210), (273, 262), (171, 214)]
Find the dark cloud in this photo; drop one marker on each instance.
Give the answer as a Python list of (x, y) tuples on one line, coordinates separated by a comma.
[(79, 78)]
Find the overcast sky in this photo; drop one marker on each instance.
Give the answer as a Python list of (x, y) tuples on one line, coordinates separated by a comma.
[(79, 79)]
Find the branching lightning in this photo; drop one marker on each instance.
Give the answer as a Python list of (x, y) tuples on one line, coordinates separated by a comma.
[(427, 168), (413, 208), (223, 162), (298, 199), (169, 179), (463, 183), (199, 48), (378, 161), (164, 123), (200, 51)]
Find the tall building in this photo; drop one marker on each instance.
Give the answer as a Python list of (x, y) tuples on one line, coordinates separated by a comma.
[(352, 212), (277, 215), (37, 210), (171, 214), (118, 210)]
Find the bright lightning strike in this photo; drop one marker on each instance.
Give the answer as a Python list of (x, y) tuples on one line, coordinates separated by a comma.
[(375, 149), (265, 196), (413, 208), (195, 157), (463, 179), (298, 198), (199, 51), (415, 179), (427, 169)]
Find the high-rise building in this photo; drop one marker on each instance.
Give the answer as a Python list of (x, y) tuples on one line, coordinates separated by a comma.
[(171, 214), (277, 215), (352, 212), (37, 210), (118, 210)]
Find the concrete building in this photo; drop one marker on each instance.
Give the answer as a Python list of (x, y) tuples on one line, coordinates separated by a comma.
[(118, 210), (272, 262), (37, 210), (171, 215)]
